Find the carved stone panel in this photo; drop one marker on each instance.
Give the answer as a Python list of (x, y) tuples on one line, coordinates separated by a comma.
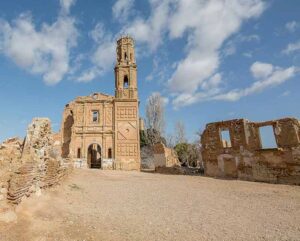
[(127, 130), (126, 112), (127, 149), (108, 116)]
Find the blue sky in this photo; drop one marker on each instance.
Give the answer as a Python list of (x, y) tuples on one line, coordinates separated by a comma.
[(210, 60)]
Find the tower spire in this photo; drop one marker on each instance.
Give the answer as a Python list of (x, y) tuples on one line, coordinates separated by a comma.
[(126, 69)]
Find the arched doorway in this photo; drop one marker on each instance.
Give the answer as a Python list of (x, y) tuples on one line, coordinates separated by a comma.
[(94, 156)]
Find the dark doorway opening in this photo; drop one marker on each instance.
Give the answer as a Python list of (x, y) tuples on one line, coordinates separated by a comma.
[(94, 156)]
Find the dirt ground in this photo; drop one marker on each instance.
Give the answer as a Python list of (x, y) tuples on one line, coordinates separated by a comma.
[(115, 205)]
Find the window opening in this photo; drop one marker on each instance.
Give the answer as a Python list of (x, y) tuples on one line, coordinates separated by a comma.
[(226, 141), (126, 82), (267, 137), (95, 116)]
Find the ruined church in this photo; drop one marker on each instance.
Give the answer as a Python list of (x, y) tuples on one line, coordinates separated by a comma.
[(100, 130)]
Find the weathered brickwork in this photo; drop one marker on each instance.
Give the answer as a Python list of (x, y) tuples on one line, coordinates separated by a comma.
[(244, 157), (29, 166), (102, 131), (40, 167)]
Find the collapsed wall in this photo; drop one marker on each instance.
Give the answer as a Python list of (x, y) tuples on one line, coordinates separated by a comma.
[(164, 156), (39, 165), (10, 155), (158, 155), (243, 155), (10, 160)]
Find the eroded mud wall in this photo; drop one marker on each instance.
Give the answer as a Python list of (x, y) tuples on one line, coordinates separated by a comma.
[(244, 157)]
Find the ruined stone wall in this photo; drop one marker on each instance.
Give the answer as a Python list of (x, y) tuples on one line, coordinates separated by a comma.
[(245, 158), (164, 156), (10, 161), (10, 152), (40, 166)]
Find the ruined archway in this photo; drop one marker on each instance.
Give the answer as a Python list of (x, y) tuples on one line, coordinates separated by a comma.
[(94, 158)]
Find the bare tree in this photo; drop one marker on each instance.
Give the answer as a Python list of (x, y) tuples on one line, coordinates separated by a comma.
[(180, 133), (170, 140), (155, 113)]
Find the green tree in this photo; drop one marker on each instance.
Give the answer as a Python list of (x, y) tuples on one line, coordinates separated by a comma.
[(182, 152)]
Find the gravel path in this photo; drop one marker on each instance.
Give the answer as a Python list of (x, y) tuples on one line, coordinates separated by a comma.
[(115, 205)]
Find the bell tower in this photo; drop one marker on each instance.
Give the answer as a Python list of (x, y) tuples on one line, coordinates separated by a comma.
[(126, 70)]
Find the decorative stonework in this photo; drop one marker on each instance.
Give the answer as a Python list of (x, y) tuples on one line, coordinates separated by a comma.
[(125, 112), (127, 149), (127, 130), (80, 114), (115, 132), (108, 116)]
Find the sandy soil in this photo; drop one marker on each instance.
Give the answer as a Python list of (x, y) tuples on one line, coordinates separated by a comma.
[(114, 205)]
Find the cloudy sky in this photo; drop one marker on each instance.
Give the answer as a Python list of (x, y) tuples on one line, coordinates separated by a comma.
[(211, 60)]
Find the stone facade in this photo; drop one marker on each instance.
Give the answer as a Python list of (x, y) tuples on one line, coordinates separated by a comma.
[(243, 155), (102, 131)]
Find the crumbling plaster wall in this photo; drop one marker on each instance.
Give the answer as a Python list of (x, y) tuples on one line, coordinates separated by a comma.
[(246, 159)]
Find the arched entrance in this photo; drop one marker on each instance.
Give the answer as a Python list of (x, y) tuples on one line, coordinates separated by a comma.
[(94, 156)]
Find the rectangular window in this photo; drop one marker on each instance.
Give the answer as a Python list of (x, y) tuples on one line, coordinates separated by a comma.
[(225, 136), (95, 116), (78, 153), (267, 137)]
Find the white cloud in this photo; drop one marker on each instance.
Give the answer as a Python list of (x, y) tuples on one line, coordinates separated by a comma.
[(268, 79), (206, 35), (194, 20), (66, 5), (164, 100), (151, 30), (213, 82), (248, 54), (292, 47), (260, 71), (121, 9), (89, 75), (103, 57), (230, 46), (286, 93), (291, 26), (44, 51)]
